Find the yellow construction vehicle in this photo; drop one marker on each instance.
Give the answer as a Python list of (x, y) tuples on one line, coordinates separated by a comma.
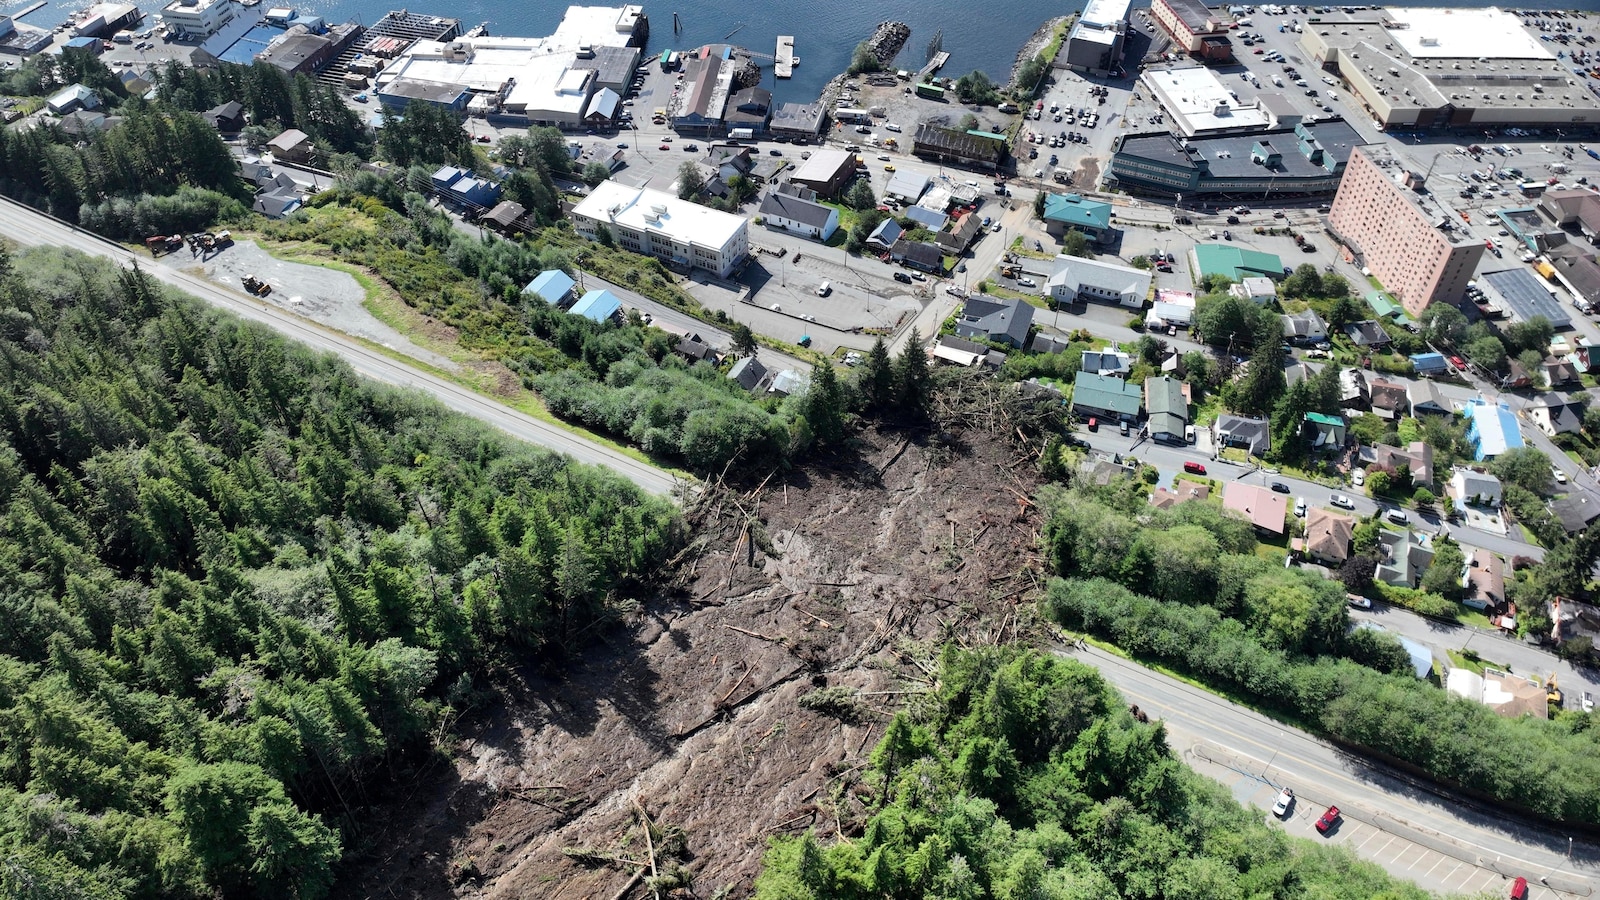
[(1552, 691)]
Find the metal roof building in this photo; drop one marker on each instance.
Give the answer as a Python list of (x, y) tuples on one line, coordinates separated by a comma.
[(1526, 296)]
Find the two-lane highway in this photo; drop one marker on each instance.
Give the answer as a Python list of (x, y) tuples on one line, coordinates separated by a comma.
[(29, 227), (1294, 758)]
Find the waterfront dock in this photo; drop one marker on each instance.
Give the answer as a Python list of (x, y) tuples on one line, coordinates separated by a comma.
[(32, 9), (934, 65), (783, 65)]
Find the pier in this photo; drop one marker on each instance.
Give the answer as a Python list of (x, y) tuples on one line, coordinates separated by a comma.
[(32, 9), (783, 65), (934, 65)]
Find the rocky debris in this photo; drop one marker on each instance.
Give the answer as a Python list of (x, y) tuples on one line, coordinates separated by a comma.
[(887, 39), (746, 73)]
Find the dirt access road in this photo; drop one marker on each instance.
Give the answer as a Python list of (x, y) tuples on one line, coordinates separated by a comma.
[(692, 707)]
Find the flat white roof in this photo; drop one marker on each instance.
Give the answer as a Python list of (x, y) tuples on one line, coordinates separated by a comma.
[(1105, 13), (822, 165), (1197, 96), (1463, 34), (544, 77), (596, 26), (640, 210)]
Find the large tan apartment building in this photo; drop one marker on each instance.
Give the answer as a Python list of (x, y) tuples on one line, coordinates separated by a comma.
[(1407, 237)]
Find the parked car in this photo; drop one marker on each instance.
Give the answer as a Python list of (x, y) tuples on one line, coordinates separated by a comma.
[(1194, 468), (1300, 507), (1358, 602), (1280, 806), (1519, 889), (1279, 487), (1342, 501), (902, 277), (1397, 516), (1027, 282), (1328, 820), (1558, 475), (1358, 478)]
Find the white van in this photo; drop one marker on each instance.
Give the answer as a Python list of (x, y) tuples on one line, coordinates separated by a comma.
[(824, 289), (1397, 516)]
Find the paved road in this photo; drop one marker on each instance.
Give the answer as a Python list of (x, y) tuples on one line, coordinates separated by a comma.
[(32, 228), (1286, 756)]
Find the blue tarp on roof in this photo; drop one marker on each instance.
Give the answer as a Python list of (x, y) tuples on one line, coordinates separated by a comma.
[(598, 305), (1428, 363)]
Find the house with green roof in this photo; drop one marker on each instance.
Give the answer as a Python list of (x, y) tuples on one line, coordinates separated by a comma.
[(1386, 307), (1326, 433), (1168, 409), (1233, 262), (1063, 212), (1105, 397)]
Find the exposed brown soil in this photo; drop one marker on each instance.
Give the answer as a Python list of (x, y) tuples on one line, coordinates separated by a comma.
[(846, 574)]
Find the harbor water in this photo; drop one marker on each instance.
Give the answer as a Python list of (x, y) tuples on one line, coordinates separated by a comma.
[(984, 36)]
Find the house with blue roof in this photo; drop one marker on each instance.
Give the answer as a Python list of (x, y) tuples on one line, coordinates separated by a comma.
[(1491, 428), (1074, 212), (462, 186), (600, 306), (553, 286)]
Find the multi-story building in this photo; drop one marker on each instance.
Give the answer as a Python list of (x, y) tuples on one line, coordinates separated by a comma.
[(683, 234), (1194, 27), (199, 18), (1308, 158), (1095, 42), (1407, 237)]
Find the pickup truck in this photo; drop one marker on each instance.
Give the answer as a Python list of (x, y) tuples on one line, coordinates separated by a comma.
[(1328, 820)]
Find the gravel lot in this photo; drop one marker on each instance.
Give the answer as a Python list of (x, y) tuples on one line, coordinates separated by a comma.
[(328, 296)]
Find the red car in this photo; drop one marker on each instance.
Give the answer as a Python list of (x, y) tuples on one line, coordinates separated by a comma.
[(1519, 889), (1328, 820), (1458, 362)]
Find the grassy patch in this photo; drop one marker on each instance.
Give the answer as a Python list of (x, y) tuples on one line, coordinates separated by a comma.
[(1469, 659)]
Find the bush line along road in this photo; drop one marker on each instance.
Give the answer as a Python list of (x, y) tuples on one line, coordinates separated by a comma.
[(31, 228)]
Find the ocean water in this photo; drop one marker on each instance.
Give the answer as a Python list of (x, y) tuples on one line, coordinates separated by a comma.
[(984, 35)]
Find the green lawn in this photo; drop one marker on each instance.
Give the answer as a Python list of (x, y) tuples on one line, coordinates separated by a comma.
[(1469, 659)]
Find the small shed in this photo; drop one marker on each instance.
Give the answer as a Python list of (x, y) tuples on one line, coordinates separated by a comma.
[(600, 306), (553, 286)]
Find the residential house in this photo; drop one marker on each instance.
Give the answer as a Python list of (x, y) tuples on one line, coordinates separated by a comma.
[(1585, 356), (1167, 408), (1553, 415), (598, 306), (1181, 492), (1106, 362), (962, 352), (461, 186), (1558, 372), (1427, 400), (1367, 333), (1430, 365), (1474, 487), (694, 348), (749, 373), (1171, 309), (277, 198), (86, 122), (1576, 511), (1389, 400), (927, 217), (907, 186), (1105, 397), (1256, 289), (1328, 536), (291, 146), (1045, 343), (1251, 435), (71, 99), (1260, 506), (917, 255), (602, 108), (795, 209), (1491, 428), (1073, 212), (787, 382), (958, 234), (553, 286), (886, 234), (1077, 279), (726, 163), (1416, 460), (1304, 327), (1404, 557), (1509, 696), (226, 118), (506, 216), (1353, 390), (1326, 433), (1484, 580), (1003, 321)]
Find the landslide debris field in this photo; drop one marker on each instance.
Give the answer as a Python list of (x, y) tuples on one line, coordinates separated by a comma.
[(835, 584)]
